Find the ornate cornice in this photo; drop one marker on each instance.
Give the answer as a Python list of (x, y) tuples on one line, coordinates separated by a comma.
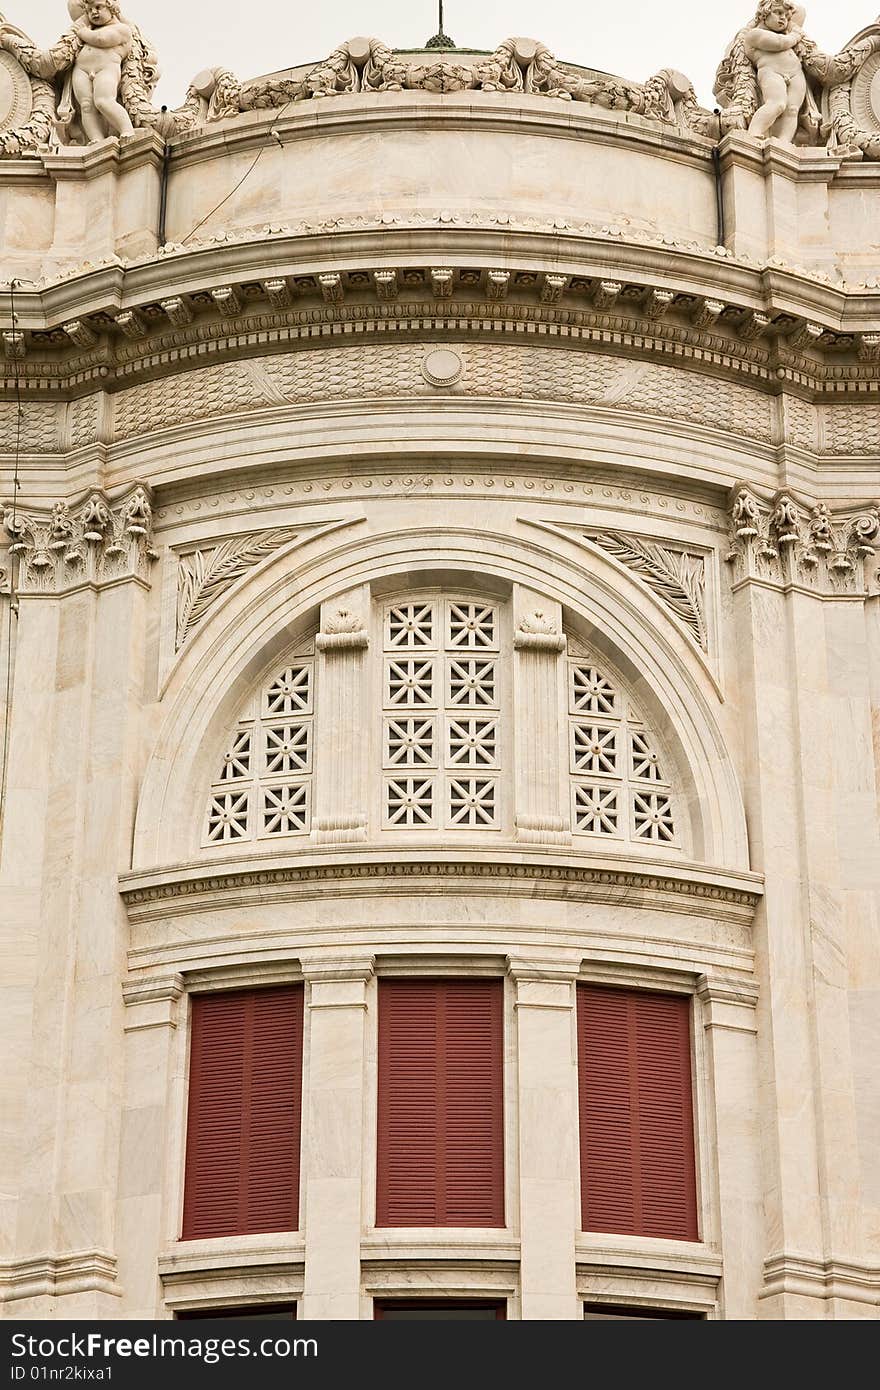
[(205, 886), (769, 324)]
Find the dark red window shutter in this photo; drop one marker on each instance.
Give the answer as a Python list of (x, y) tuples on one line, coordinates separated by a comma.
[(245, 1113), (441, 1119), (636, 1113)]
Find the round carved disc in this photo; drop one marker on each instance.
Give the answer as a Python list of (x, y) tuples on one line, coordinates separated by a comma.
[(15, 93), (866, 94), (442, 367)]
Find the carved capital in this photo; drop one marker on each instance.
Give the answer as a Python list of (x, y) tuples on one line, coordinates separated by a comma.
[(781, 541), (344, 631), (538, 633), (95, 541)]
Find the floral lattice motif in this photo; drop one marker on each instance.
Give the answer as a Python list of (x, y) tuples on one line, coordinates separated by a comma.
[(652, 817), (440, 656), (268, 768), (290, 692), (409, 801), (288, 749), (410, 625), (472, 682), (228, 816), (591, 692), (285, 809), (410, 682), (594, 749), (473, 801), (645, 759), (618, 782), (410, 743), (596, 810), (473, 742), (237, 762), (471, 625)]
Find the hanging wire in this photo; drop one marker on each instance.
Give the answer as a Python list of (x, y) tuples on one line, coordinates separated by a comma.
[(271, 133), (12, 611)]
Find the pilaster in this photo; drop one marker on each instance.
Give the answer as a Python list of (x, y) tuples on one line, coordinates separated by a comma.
[(727, 1010), (333, 1143), (548, 1134), (539, 647), (342, 645)]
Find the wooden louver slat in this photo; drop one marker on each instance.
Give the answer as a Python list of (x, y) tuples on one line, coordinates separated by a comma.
[(245, 1111), (441, 1145), (636, 1113)]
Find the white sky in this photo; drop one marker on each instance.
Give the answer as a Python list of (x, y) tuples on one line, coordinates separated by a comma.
[(631, 38)]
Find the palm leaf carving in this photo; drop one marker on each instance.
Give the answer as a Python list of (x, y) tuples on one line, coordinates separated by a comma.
[(675, 576), (205, 574)]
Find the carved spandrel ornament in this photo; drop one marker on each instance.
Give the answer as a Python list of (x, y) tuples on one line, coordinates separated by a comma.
[(774, 81), (783, 542)]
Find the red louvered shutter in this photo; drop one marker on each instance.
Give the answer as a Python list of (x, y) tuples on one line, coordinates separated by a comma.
[(245, 1113), (441, 1122), (636, 1113)]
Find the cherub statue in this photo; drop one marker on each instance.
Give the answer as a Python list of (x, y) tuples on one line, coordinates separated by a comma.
[(103, 69), (782, 82), (771, 79), (96, 76)]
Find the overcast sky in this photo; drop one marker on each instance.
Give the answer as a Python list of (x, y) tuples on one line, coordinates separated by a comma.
[(632, 38)]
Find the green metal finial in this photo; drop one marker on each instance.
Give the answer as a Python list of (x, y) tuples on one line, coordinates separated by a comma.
[(440, 40)]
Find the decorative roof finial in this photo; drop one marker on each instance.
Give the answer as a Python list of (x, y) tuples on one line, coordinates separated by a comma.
[(440, 40)]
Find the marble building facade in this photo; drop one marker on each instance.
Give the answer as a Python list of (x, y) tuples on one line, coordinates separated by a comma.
[(440, 540)]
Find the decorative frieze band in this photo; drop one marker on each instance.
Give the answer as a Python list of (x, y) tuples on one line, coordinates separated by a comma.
[(784, 542), (95, 541)]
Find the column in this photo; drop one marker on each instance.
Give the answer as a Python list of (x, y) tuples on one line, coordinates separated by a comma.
[(731, 1057), (799, 608), (74, 753), (153, 1099), (539, 688), (548, 1135), (342, 715), (333, 1135)]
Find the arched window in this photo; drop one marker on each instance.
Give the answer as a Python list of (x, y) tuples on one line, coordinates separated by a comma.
[(618, 774), (263, 789), (441, 714), (449, 748)]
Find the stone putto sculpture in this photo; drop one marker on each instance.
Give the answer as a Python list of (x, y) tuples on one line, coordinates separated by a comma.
[(96, 75), (772, 78), (103, 69)]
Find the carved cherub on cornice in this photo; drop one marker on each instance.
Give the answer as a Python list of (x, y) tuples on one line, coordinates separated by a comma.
[(771, 79)]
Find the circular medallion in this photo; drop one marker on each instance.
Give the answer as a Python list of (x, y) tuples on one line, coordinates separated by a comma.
[(16, 101), (866, 94), (442, 367)]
